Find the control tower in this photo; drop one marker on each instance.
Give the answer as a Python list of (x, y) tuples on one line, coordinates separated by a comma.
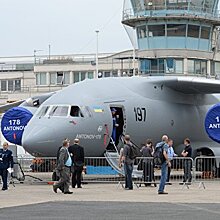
[(175, 36)]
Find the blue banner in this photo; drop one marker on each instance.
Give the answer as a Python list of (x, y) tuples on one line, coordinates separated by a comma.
[(212, 123), (13, 124)]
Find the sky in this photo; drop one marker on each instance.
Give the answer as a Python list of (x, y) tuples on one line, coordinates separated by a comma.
[(67, 25)]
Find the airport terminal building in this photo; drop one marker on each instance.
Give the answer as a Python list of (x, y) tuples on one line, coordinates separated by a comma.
[(174, 37)]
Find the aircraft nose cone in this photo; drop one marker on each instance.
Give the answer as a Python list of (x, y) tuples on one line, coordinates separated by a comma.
[(38, 139)]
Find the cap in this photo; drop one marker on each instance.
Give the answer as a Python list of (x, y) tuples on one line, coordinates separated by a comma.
[(113, 110)]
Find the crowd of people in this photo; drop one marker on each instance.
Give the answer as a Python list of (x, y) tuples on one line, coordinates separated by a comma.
[(70, 162), (147, 152)]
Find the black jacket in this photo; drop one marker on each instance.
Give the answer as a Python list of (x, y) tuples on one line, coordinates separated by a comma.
[(6, 159), (77, 153)]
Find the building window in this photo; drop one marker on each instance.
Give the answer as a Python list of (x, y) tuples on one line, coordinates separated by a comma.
[(114, 73), (60, 77), (3, 85), (17, 85), (190, 66), (193, 31), (107, 74), (156, 30), (53, 79), (176, 30), (205, 32), (76, 77), (179, 66), (90, 75), (66, 80), (83, 76), (41, 79), (217, 67), (10, 85), (197, 67), (170, 68)]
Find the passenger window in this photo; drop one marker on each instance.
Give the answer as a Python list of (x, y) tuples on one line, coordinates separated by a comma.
[(43, 111), (59, 111), (76, 112)]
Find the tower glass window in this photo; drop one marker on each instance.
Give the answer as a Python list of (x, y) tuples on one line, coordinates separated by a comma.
[(193, 31), (205, 32), (142, 32), (156, 30), (176, 30)]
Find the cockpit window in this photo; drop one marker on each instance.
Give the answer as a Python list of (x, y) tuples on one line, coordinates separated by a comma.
[(43, 111), (59, 111), (76, 112)]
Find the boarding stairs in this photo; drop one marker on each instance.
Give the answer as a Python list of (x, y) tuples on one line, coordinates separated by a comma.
[(112, 158)]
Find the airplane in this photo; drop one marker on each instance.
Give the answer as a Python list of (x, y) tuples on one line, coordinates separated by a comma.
[(146, 107)]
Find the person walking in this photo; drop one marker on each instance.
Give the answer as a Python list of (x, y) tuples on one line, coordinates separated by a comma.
[(164, 165), (187, 152), (77, 153), (128, 163), (6, 162), (63, 166), (171, 155)]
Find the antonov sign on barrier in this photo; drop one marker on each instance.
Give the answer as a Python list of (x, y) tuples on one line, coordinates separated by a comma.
[(13, 124), (212, 123)]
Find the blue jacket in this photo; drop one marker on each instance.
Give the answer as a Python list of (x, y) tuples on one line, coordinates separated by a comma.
[(6, 159)]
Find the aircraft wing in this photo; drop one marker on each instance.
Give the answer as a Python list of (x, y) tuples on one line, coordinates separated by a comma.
[(6, 107), (190, 85)]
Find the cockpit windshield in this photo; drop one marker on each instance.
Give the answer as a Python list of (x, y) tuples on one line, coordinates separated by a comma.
[(63, 111), (76, 112), (59, 111), (43, 111)]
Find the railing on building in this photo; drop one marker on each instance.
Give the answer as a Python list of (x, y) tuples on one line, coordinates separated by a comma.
[(168, 10)]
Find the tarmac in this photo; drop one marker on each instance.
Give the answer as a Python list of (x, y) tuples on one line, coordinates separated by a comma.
[(111, 201)]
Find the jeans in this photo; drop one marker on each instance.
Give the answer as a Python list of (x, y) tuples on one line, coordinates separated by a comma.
[(187, 171), (128, 168), (163, 176)]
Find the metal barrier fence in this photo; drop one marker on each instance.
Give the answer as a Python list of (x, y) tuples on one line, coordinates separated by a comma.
[(97, 169), (208, 169)]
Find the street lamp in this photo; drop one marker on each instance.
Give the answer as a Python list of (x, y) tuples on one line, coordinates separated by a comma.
[(35, 51), (97, 51)]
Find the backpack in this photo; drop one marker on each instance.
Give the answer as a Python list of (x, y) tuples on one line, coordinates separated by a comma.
[(158, 154), (133, 152)]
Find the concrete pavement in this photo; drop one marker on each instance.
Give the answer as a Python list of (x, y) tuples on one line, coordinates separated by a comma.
[(195, 200)]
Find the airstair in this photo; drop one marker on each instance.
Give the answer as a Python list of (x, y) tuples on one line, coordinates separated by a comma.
[(112, 158)]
